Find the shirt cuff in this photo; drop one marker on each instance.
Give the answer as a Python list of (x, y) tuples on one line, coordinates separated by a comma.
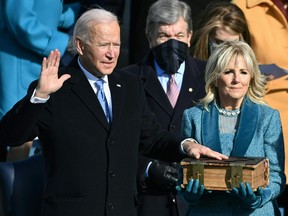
[(147, 169), (37, 100), (188, 139)]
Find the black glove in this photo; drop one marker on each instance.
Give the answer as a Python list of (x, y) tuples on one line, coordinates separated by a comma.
[(163, 175)]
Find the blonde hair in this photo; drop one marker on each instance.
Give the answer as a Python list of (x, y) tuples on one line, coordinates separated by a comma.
[(217, 63)]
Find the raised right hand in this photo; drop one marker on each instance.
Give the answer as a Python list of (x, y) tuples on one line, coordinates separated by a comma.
[(49, 82)]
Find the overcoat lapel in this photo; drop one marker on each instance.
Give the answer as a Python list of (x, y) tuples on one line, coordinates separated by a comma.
[(152, 85), (210, 128), (82, 88), (246, 129), (245, 132), (154, 89), (117, 89), (192, 82)]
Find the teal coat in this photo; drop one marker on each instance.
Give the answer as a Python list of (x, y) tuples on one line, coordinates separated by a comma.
[(259, 134), (28, 32)]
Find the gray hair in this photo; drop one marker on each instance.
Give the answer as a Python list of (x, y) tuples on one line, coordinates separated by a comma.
[(217, 63), (167, 12), (83, 27)]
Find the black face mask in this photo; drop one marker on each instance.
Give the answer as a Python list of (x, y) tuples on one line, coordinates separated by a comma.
[(170, 55)]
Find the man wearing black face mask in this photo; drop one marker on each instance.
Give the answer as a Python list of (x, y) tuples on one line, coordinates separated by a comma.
[(169, 31)]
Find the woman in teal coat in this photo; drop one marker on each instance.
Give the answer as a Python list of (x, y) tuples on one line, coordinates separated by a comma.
[(29, 30), (234, 119)]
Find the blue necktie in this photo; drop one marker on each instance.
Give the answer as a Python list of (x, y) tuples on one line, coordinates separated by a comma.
[(102, 99)]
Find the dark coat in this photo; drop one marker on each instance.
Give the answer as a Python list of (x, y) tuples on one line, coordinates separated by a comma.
[(193, 89), (90, 167)]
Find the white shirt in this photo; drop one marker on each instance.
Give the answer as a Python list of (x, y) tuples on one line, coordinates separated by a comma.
[(164, 77), (92, 79)]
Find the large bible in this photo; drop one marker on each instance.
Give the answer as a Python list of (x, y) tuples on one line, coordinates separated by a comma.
[(226, 174)]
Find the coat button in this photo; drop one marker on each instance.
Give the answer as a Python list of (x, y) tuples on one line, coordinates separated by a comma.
[(110, 142), (111, 173), (110, 206), (172, 126)]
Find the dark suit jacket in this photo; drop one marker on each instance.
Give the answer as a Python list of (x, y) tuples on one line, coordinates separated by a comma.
[(90, 167), (193, 89)]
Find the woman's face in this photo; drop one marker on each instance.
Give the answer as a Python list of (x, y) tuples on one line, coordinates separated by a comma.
[(233, 83)]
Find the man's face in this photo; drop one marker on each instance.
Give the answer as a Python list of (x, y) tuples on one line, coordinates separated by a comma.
[(177, 31), (100, 55)]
